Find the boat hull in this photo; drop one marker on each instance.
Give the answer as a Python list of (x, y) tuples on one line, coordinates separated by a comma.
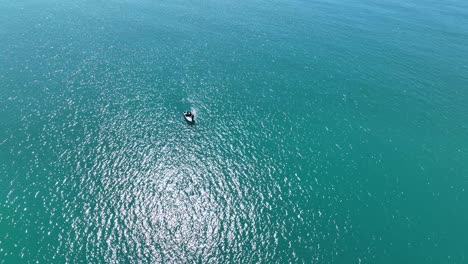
[(189, 119)]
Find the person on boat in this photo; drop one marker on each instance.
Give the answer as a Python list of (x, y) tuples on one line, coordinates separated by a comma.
[(188, 114)]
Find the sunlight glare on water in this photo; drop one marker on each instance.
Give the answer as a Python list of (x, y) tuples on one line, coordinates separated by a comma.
[(326, 131)]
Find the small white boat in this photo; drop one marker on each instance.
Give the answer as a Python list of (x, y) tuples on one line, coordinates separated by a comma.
[(189, 117)]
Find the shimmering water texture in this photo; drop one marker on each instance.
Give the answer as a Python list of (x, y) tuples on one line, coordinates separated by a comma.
[(327, 131)]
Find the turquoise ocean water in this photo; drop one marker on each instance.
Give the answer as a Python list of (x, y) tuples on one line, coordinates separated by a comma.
[(327, 131)]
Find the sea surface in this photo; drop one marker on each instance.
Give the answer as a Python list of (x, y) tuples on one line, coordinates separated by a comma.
[(327, 131)]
